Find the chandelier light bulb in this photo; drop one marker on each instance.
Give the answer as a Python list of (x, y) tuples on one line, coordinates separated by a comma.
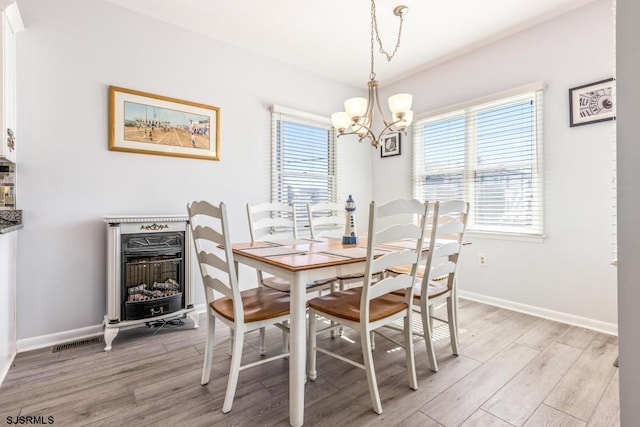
[(400, 103), (355, 107), (341, 121)]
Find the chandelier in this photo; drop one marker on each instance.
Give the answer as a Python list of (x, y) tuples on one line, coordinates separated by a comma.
[(358, 114)]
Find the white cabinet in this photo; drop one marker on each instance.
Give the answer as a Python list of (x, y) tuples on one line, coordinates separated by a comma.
[(8, 243), (10, 23)]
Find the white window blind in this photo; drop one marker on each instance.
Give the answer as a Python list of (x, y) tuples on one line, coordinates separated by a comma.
[(304, 164), (487, 152)]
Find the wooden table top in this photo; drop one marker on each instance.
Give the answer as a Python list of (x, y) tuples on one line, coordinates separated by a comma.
[(303, 254)]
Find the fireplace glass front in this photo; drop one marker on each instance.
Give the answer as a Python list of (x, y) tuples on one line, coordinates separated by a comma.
[(152, 274)]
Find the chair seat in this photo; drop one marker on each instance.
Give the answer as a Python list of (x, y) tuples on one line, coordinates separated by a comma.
[(283, 285), (346, 305), (258, 304), (435, 289)]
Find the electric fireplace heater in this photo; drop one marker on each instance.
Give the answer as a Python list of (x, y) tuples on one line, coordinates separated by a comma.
[(148, 274)]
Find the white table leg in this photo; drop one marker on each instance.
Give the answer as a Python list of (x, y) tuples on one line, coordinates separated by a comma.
[(298, 350)]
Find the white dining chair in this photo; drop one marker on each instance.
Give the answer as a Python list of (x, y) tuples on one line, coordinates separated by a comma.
[(241, 311), (272, 222), (326, 220), (437, 276), (329, 220), (371, 306)]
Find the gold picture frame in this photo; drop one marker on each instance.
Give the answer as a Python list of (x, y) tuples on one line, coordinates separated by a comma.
[(141, 122)]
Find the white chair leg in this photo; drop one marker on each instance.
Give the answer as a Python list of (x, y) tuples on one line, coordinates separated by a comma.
[(262, 348), (365, 338), (208, 350), (230, 341), (431, 311), (341, 328), (234, 369), (373, 340), (285, 337), (313, 374), (333, 324), (452, 314), (428, 336), (409, 355)]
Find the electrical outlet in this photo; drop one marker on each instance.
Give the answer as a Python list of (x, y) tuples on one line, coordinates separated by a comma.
[(482, 260)]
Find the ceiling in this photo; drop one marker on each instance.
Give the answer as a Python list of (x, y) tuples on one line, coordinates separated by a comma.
[(332, 37)]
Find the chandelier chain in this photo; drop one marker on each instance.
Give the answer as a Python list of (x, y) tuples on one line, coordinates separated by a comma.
[(375, 36)]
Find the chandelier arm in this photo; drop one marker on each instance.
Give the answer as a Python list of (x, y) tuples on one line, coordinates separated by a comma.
[(377, 101), (388, 131), (369, 135)]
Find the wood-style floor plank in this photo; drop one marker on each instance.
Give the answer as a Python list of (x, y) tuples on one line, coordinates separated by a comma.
[(509, 364), (521, 396), (548, 416), (481, 418), (580, 390), (607, 412), (457, 403), (418, 419), (543, 334)]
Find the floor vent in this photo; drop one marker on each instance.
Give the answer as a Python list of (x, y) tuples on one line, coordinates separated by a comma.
[(78, 343)]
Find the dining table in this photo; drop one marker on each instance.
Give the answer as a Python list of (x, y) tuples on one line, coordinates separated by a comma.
[(301, 261)]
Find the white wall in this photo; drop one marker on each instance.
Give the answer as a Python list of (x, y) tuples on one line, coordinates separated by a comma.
[(68, 179), (570, 271), (628, 70)]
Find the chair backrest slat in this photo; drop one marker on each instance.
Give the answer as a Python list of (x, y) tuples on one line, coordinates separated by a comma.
[(208, 233), (388, 260), (450, 227), (446, 249), (272, 220), (326, 219)]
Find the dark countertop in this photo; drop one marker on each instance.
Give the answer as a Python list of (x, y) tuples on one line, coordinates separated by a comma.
[(10, 220)]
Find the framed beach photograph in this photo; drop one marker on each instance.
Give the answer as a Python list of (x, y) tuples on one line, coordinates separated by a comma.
[(142, 122), (390, 146), (592, 103)]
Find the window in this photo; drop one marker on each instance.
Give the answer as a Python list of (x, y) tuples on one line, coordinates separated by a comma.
[(488, 152), (303, 160)]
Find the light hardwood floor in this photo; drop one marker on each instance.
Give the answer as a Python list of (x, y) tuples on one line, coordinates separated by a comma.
[(513, 369)]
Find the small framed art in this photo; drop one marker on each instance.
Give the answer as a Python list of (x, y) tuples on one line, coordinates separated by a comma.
[(390, 146), (142, 122), (592, 103)]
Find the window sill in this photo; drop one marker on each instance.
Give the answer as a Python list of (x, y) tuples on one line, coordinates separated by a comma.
[(495, 235)]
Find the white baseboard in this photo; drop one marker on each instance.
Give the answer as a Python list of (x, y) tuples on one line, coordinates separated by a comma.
[(5, 369), (42, 341), (558, 316)]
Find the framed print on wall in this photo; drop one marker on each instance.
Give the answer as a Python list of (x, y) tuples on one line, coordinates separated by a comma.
[(592, 103), (390, 146), (142, 122)]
